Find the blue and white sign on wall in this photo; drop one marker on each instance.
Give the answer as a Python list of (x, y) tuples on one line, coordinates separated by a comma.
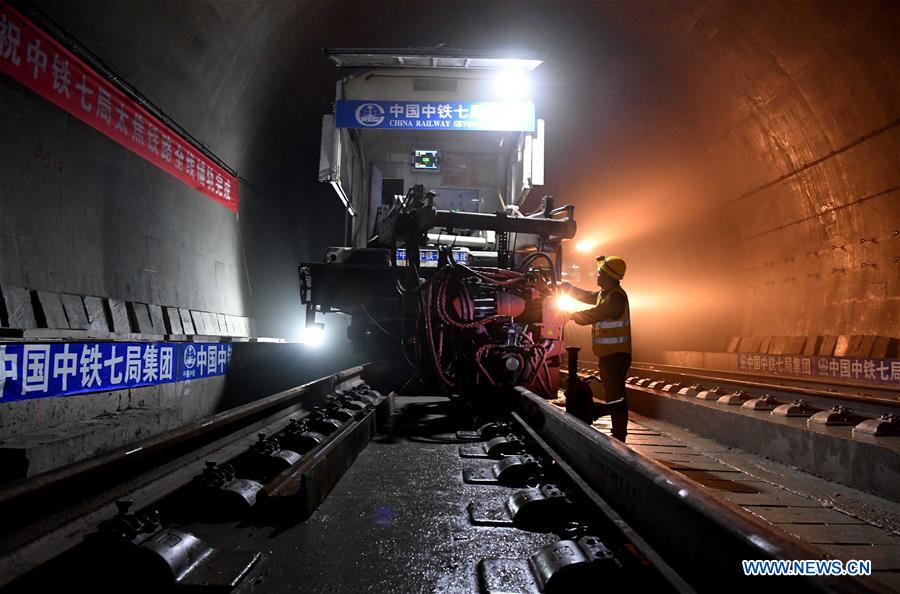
[(884, 372), (38, 370), (500, 116)]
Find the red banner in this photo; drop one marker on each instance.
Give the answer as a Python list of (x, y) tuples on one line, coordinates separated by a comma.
[(39, 62)]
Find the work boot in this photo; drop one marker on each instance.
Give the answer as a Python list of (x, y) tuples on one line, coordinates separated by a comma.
[(618, 413)]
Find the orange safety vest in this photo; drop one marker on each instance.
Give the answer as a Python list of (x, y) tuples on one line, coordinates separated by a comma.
[(612, 336)]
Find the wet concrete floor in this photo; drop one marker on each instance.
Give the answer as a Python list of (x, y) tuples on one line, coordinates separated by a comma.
[(396, 522)]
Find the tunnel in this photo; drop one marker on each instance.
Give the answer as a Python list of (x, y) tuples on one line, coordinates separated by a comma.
[(194, 238)]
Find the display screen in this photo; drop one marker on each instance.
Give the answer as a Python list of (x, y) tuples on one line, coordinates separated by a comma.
[(426, 159)]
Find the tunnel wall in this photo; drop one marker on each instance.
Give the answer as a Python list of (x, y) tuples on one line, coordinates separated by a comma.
[(80, 214), (742, 157), (113, 225), (39, 434), (83, 215), (800, 104), (749, 170)]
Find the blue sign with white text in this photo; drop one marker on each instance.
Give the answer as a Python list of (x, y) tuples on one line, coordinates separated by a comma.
[(501, 116), (39, 370), (885, 372), (430, 258)]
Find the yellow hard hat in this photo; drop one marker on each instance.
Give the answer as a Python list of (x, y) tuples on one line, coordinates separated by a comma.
[(612, 266)]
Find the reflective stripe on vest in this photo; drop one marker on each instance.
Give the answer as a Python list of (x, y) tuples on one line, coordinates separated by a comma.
[(620, 324), (612, 336)]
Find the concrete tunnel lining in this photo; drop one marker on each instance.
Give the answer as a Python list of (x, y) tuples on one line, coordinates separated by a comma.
[(754, 94), (742, 158)]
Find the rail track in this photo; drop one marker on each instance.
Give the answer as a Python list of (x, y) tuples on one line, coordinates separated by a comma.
[(138, 519), (120, 500), (871, 399)]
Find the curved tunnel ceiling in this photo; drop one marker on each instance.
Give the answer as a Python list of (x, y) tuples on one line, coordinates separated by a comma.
[(743, 157)]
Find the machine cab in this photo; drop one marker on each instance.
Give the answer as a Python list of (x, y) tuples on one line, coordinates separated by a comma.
[(461, 124)]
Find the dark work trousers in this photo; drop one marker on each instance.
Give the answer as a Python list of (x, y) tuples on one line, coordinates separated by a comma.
[(613, 371)]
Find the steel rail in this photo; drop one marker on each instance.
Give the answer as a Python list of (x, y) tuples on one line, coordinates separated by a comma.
[(889, 399), (603, 507), (701, 536), (40, 492), (38, 524)]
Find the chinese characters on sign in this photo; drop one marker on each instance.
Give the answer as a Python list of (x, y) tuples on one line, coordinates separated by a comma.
[(430, 258), (33, 370), (411, 115), (40, 63), (200, 360), (871, 371)]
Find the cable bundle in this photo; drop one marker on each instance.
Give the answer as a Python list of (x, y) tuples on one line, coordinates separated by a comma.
[(459, 345)]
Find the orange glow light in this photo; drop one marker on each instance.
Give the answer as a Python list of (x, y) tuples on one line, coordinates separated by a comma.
[(640, 301), (567, 303), (585, 245)]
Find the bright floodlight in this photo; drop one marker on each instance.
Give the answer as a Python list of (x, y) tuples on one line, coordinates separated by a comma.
[(569, 304), (585, 245), (313, 335), (512, 84)]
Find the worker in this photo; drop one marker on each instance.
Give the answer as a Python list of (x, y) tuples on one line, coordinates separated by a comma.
[(611, 336)]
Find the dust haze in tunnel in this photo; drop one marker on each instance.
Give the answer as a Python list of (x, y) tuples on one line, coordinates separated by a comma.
[(742, 157)]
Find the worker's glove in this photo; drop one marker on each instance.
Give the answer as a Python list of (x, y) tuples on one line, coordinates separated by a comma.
[(565, 286)]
